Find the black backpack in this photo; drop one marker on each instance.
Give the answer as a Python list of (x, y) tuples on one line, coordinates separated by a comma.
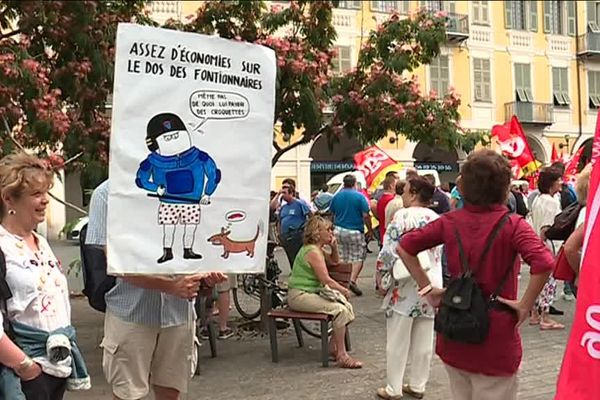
[(96, 283), (564, 223), (5, 294), (463, 313)]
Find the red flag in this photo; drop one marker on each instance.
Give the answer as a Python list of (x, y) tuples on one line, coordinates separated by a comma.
[(554, 153), (374, 163), (514, 145), (581, 363), (571, 167)]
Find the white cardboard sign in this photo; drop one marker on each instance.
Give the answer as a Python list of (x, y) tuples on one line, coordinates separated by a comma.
[(190, 158)]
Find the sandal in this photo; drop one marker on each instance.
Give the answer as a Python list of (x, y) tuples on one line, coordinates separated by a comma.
[(382, 393), (551, 326), (407, 390), (349, 363)]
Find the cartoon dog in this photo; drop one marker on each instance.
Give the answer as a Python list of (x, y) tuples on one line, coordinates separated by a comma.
[(234, 246)]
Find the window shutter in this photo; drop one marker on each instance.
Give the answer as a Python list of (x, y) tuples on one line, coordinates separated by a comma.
[(449, 6), (476, 7), (375, 5), (508, 14), (484, 11), (571, 18), (533, 16), (555, 80), (591, 11), (547, 10)]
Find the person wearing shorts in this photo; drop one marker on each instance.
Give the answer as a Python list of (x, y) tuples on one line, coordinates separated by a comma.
[(350, 211), (223, 305), (148, 334)]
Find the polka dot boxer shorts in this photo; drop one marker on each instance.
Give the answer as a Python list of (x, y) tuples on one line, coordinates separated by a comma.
[(171, 214)]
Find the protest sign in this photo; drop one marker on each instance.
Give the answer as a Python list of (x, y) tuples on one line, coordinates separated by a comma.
[(190, 158)]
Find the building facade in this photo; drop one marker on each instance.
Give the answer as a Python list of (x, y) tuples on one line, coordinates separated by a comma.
[(539, 60)]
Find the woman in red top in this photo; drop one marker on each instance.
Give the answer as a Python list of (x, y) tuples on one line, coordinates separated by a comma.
[(487, 370)]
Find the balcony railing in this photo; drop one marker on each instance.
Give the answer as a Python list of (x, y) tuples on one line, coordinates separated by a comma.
[(589, 45), (458, 27), (530, 113)]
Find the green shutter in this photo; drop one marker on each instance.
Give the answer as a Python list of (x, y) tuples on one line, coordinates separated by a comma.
[(571, 18), (533, 16), (508, 14), (555, 80), (449, 6), (547, 10), (484, 11), (591, 11)]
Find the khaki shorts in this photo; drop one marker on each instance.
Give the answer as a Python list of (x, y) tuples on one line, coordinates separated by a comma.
[(228, 284), (136, 356)]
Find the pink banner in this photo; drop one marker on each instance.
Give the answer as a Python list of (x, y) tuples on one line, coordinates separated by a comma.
[(581, 363)]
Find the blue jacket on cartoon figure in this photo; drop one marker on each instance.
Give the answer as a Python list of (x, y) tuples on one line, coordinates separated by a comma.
[(188, 175)]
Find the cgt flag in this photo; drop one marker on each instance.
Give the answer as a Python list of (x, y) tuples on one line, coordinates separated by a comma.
[(571, 167), (374, 163), (513, 144), (581, 364)]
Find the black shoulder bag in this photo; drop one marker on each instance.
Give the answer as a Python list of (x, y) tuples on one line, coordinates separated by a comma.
[(463, 313)]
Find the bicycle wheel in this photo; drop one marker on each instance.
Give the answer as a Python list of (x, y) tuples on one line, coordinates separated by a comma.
[(246, 296), (313, 328)]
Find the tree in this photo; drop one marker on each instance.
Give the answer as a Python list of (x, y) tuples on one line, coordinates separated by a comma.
[(368, 102), (56, 71)]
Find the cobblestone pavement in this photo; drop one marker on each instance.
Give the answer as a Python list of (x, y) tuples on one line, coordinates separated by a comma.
[(243, 368)]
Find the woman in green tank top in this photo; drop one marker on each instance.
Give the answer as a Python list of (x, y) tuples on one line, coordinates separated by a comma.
[(310, 276)]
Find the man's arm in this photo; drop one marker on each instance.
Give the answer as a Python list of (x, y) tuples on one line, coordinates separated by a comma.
[(143, 175), (213, 174)]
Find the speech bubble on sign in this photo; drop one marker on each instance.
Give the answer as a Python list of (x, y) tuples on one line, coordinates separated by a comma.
[(214, 104), (235, 216)]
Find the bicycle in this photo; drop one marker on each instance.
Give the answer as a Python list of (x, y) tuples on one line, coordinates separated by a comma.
[(246, 294)]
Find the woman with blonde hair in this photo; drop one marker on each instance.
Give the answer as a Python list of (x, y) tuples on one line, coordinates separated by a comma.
[(312, 289), (45, 358)]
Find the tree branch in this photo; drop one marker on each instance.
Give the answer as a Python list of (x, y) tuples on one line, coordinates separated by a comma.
[(66, 203), (305, 140), (9, 34)]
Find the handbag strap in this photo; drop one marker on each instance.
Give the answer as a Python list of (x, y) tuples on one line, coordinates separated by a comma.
[(461, 252)]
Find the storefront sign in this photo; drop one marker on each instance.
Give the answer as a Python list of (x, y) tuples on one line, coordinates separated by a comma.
[(331, 166), (437, 166)]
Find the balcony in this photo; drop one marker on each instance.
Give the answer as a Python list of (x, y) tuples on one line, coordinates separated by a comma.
[(457, 28), (530, 113), (589, 45)]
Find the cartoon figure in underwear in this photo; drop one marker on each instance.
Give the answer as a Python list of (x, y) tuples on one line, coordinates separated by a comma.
[(181, 176)]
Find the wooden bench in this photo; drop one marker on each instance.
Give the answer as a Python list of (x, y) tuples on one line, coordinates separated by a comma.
[(341, 274)]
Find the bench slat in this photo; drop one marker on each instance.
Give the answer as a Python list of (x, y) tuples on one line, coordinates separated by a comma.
[(283, 313)]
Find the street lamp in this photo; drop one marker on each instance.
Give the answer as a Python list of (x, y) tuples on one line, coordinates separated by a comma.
[(565, 144)]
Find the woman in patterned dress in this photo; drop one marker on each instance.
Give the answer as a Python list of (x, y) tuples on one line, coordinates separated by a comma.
[(409, 318)]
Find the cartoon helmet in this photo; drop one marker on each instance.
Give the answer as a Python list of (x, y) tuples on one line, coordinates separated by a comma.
[(161, 124)]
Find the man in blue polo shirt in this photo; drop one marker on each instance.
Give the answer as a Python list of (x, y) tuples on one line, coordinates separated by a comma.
[(292, 217), (350, 211)]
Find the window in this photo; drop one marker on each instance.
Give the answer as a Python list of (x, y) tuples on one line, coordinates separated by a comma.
[(523, 83), (560, 86), (481, 77), (389, 6), (342, 62), (439, 74), (594, 88), (440, 5), (351, 4), (480, 13), (521, 15), (593, 11), (559, 17)]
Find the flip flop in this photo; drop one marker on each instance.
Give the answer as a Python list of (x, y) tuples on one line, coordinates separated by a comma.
[(551, 326), (349, 363)]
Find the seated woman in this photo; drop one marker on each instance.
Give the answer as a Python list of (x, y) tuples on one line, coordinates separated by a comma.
[(47, 360), (309, 278)]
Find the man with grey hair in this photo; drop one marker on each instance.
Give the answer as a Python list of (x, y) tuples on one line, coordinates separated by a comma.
[(350, 211)]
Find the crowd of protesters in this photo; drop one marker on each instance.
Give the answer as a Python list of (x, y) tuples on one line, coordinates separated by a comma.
[(429, 236)]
